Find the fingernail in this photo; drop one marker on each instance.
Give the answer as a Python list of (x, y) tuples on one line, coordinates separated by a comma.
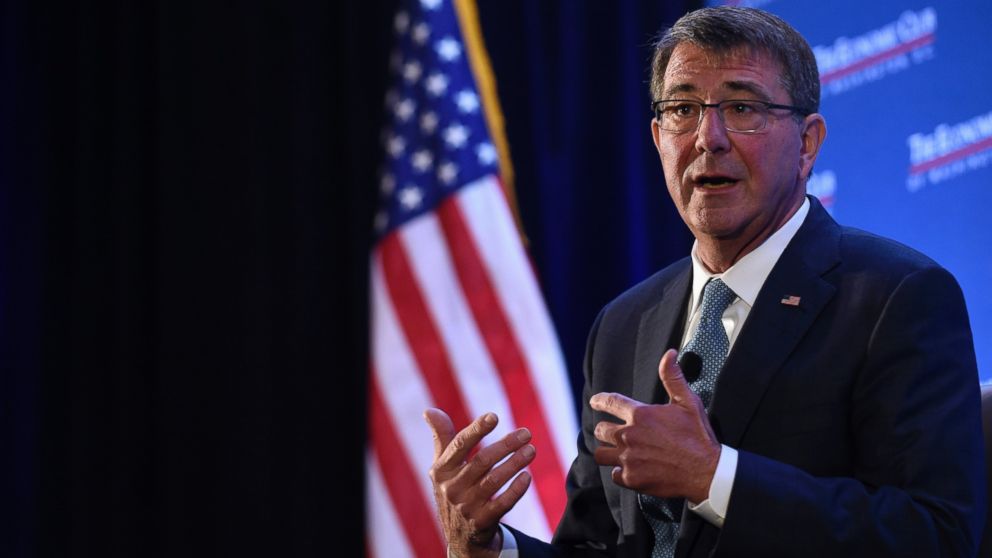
[(523, 435), (528, 451), (489, 419)]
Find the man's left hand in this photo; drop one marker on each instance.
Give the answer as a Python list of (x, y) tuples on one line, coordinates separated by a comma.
[(667, 450)]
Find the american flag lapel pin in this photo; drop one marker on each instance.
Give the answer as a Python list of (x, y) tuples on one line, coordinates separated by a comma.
[(791, 300)]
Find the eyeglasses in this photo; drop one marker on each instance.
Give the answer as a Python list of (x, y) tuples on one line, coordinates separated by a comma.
[(738, 115)]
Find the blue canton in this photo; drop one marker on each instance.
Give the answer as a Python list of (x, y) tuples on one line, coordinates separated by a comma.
[(436, 139)]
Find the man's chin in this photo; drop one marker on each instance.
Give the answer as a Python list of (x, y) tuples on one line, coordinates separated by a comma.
[(717, 223)]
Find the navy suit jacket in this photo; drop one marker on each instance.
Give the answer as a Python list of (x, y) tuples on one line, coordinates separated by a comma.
[(855, 413)]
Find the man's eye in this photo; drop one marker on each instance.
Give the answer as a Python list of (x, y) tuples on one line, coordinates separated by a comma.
[(683, 110), (742, 108)]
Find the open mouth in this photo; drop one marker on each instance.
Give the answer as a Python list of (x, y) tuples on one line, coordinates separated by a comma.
[(715, 181)]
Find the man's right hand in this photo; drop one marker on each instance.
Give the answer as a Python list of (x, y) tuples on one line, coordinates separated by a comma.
[(466, 489)]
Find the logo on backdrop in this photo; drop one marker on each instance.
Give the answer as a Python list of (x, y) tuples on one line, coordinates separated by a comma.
[(849, 63), (823, 185), (949, 151)]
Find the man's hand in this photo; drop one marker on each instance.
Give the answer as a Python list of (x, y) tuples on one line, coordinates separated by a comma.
[(662, 450), (466, 490)]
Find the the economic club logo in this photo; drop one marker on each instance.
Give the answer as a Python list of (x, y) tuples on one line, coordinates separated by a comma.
[(948, 151), (850, 62)]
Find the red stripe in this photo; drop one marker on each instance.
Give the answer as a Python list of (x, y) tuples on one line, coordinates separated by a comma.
[(877, 58), (952, 156), (416, 514), (508, 358), (421, 334)]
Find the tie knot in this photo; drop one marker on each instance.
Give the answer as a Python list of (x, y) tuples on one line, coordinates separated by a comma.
[(717, 296)]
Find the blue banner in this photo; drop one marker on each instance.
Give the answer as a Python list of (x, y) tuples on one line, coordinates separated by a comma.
[(908, 155)]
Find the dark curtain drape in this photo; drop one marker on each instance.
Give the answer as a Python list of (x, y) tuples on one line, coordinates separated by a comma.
[(186, 192), (573, 82)]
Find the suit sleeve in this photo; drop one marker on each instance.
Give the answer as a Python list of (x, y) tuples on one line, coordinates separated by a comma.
[(916, 486)]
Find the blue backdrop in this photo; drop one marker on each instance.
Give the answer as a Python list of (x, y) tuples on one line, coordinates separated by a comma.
[(908, 153)]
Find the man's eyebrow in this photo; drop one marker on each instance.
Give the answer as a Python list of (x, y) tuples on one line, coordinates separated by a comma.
[(747, 87), (679, 88)]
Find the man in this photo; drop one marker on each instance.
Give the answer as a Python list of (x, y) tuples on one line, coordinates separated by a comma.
[(836, 410)]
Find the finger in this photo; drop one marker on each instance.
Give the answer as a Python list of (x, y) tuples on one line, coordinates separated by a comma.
[(463, 442), (672, 378), (441, 427), (489, 456), (492, 482), (606, 456), (615, 404), (498, 506), (617, 475), (606, 432)]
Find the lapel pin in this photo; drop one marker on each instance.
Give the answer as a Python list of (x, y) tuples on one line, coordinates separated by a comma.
[(791, 300)]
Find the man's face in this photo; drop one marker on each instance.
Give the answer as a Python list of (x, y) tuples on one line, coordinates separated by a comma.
[(733, 187)]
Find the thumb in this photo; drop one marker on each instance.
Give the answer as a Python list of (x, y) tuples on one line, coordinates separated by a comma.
[(442, 428), (672, 378)]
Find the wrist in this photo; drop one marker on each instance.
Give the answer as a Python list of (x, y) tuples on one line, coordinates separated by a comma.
[(701, 491), (478, 549), (496, 544)]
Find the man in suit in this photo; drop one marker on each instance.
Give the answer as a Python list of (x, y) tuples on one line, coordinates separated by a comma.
[(836, 410)]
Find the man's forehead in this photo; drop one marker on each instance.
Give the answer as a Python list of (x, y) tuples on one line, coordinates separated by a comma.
[(692, 68)]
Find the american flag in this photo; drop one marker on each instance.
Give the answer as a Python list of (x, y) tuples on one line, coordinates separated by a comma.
[(458, 321)]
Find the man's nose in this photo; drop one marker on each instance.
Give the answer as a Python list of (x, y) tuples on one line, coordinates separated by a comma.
[(711, 135)]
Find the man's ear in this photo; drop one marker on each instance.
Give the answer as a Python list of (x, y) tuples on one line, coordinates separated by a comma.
[(814, 129), (656, 135)]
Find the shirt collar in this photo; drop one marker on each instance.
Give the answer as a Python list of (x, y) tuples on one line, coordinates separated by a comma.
[(747, 276)]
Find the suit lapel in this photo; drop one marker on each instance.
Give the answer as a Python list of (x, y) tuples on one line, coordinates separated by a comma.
[(774, 328), (655, 333)]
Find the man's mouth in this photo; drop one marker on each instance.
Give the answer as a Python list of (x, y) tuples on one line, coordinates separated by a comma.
[(714, 181)]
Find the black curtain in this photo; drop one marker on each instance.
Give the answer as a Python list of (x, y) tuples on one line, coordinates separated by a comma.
[(186, 198), (573, 81), (184, 314)]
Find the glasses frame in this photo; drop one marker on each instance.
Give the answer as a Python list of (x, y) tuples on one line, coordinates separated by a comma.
[(703, 106)]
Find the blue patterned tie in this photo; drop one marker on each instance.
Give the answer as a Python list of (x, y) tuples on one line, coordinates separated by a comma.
[(710, 342)]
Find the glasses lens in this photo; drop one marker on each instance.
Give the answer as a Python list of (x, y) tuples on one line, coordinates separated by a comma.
[(678, 116), (743, 116)]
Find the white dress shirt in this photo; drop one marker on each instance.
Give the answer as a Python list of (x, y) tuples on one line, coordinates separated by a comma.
[(745, 278)]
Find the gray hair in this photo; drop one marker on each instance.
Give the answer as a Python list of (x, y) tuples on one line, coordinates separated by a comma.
[(726, 29)]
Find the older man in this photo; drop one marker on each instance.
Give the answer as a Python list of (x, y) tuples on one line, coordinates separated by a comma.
[(830, 405)]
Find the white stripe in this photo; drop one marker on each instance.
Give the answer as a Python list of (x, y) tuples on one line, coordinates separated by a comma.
[(403, 391), (383, 529), (488, 216), (475, 373)]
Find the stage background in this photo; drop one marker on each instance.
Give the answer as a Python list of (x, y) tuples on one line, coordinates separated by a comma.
[(186, 201)]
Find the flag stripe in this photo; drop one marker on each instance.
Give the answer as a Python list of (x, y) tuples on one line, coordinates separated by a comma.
[(399, 475), (406, 394), (430, 259), (513, 277), (503, 346), (420, 331), (384, 534), (473, 368)]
